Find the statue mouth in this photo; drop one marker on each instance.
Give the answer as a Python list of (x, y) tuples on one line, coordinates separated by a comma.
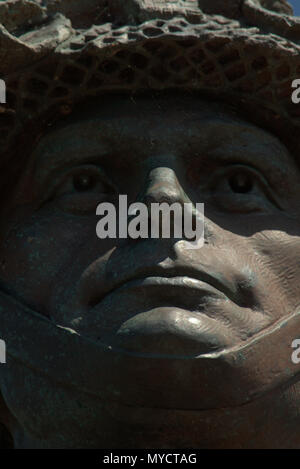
[(173, 286), (172, 316), (168, 309), (96, 286), (180, 290)]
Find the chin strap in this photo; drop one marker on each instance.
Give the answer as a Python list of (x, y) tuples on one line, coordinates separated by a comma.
[(49, 349), (65, 357)]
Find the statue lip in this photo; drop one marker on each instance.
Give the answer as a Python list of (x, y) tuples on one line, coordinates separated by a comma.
[(94, 292), (176, 281), (177, 318), (170, 284)]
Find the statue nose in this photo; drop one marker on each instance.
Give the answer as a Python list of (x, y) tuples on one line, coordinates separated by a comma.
[(163, 186)]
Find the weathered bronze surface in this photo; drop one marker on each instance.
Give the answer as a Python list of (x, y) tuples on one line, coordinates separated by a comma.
[(123, 343)]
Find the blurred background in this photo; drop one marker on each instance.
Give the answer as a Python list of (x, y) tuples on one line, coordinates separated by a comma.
[(296, 5)]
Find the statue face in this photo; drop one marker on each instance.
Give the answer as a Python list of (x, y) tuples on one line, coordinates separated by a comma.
[(183, 332)]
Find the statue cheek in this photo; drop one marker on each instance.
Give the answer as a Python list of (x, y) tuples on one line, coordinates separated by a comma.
[(46, 254), (280, 251), (32, 255)]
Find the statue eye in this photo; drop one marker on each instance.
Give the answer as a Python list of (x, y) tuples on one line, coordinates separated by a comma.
[(80, 189), (84, 179), (241, 183), (84, 182), (241, 189)]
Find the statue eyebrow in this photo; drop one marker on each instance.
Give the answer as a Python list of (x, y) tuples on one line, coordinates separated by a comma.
[(49, 159), (61, 149), (274, 164), (45, 174)]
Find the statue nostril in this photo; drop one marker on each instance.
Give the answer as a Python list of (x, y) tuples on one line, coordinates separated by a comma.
[(162, 186), (167, 195)]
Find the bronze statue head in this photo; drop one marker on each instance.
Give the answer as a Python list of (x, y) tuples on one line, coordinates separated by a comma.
[(145, 343)]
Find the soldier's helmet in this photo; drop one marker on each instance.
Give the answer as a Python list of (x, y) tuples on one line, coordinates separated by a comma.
[(54, 53)]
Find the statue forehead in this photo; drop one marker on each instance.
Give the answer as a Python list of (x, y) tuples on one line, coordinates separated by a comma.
[(147, 125), (122, 111)]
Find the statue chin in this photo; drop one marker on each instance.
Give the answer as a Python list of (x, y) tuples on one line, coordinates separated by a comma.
[(72, 419), (104, 383)]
